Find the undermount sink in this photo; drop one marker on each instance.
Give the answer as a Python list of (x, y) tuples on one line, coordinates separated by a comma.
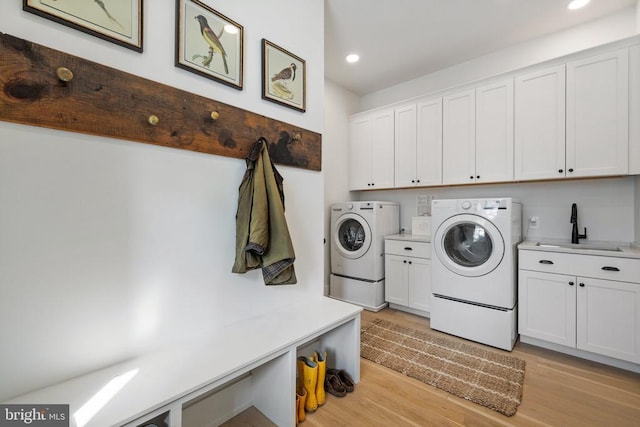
[(587, 246)]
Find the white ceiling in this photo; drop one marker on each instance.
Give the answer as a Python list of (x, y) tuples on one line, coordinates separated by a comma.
[(399, 40)]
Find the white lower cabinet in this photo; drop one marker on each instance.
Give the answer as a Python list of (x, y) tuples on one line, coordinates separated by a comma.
[(547, 307), (408, 275), (593, 314), (607, 317)]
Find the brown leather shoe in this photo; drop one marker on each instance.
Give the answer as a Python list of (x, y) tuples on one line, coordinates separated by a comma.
[(344, 377), (333, 385)]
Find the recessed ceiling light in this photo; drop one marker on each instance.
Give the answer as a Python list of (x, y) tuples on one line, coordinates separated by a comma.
[(577, 4), (352, 58)]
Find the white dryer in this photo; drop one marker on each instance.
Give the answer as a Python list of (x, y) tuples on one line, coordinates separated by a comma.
[(474, 269), (357, 250)]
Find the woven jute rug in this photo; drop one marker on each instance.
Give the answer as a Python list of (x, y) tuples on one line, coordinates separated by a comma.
[(479, 375)]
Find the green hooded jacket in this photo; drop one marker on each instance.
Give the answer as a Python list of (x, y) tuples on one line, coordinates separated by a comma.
[(262, 236)]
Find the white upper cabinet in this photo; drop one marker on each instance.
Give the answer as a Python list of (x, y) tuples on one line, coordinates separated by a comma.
[(494, 132), (371, 150), (577, 118), (405, 146), (634, 110), (478, 135), (598, 115), (429, 142), (360, 153), (539, 147), (459, 138), (418, 159)]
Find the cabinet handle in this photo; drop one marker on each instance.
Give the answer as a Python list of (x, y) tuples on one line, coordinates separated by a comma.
[(581, 285), (570, 169), (477, 176), (471, 177), (560, 171), (405, 261), (408, 248), (545, 261), (409, 262), (417, 180), (607, 268), (571, 283), (413, 181)]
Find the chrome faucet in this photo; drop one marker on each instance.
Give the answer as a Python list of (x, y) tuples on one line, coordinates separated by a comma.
[(575, 235)]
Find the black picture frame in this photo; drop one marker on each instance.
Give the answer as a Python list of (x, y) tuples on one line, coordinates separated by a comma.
[(208, 43), (120, 23), (284, 77)]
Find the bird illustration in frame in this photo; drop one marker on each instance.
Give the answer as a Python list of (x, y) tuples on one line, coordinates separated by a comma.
[(213, 41), (280, 81)]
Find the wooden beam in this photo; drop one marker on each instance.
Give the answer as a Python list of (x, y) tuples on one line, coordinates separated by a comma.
[(99, 100)]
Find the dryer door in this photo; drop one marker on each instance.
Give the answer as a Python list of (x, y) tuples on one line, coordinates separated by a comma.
[(469, 245), (352, 236)]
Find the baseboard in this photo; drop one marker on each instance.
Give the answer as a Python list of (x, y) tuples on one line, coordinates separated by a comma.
[(622, 364)]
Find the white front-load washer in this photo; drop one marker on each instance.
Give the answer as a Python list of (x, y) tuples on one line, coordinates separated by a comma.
[(474, 268), (357, 250)]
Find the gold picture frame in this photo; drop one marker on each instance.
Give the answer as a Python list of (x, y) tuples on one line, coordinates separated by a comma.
[(284, 77), (208, 43), (118, 22)]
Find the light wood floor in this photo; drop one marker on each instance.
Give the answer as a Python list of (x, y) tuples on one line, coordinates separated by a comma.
[(559, 390)]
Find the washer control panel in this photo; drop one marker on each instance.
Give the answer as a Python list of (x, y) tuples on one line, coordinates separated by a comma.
[(472, 205)]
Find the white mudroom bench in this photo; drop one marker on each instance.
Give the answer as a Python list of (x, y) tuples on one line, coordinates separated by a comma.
[(250, 363)]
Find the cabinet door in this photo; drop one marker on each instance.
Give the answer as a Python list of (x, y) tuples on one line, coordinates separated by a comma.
[(429, 142), (539, 145), (396, 282), (547, 307), (420, 283), (405, 146), (598, 115), (634, 110), (360, 153), (494, 132), (382, 157), (458, 138), (608, 317)]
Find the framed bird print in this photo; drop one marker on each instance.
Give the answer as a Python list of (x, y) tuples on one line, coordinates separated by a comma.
[(208, 43), (284, 77), (119, 22)]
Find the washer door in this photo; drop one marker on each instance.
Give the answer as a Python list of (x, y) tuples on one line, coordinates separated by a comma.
[(469, 245), (352, 236)]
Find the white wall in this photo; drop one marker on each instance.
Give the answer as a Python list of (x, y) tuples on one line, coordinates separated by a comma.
[(335, 159), (614, 27), (605, 206), (111, 248)]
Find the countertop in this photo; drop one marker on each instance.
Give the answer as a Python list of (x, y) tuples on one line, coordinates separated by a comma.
[(627, 250), (409, 237)]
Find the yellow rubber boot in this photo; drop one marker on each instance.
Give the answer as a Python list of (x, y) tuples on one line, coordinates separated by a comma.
[(301, 398), (308, 375), (321, 360)]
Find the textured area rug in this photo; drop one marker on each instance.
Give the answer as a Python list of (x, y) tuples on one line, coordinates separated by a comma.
[(481, 376)]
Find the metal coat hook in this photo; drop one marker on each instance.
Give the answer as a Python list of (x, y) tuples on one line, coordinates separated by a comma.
[(215, 115), (153, 120)]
